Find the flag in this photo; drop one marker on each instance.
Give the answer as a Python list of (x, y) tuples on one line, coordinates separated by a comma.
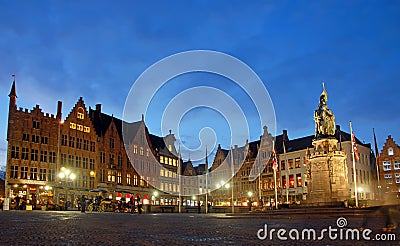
[(274, 160), (355, 147), (376, 147)]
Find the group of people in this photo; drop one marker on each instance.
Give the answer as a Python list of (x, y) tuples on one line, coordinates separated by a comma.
[(133, 205)]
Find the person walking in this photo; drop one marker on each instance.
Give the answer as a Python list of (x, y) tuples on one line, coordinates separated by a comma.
[(132, 204), (140, 205), (83, 204)]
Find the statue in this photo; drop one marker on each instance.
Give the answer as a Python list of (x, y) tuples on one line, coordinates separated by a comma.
[(323, 117)]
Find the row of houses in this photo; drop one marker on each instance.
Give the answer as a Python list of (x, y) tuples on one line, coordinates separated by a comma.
[(94, 151)]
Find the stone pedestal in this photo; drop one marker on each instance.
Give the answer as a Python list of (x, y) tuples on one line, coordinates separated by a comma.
[(327, 178)]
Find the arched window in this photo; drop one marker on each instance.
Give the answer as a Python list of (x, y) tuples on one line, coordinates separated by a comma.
[(81, 113), (390, 151)]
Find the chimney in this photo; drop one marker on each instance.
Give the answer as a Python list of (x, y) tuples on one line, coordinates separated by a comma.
[(98, 107), (59, 109)]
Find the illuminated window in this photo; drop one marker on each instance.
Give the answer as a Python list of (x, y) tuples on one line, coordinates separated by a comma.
[(174, 161), (290, 164), (119, 178), (135, 149), (147, 152), (135, 180), (111, 176), (141, 150), (297, 162), (298, 179), (72, 125), (283, 165), (162, 172), (86, 129), (284, 182), (128, 179), (79, 127), (80, 114), (162, 159)]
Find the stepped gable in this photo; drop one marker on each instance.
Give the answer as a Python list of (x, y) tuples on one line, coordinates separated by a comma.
[(159, 145)]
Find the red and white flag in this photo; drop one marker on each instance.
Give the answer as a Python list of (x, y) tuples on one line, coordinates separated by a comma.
[(274, 160), (355, 147)]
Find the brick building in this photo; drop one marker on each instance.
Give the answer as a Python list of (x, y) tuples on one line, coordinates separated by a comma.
[(389, 167)]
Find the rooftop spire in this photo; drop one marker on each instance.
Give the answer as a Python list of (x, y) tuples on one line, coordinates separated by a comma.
[(13, 92)]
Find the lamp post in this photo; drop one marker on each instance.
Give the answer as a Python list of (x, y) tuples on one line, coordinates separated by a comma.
[(67, 176)]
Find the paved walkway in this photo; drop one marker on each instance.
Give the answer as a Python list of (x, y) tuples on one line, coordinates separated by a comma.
[(75, 228)]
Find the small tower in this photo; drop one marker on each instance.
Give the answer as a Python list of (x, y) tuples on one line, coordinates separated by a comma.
[(12, 107)]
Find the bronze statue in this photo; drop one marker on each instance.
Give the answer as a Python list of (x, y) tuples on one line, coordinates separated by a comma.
[(323, 117)]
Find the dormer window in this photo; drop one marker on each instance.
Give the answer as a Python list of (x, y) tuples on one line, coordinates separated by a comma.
[(390, 151)]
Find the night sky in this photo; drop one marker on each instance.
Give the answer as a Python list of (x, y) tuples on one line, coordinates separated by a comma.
[(63, 50)]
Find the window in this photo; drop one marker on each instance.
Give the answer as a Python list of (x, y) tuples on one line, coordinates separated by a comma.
[(14, 172), (92, 146), (112, 143), (35, 139), (120, 160), (71, 141), (135, 180), (24, 172), (86, 144), (128, 179), (42, 174), (64, 140), (141, 150), (119, 178), (25, 137), (111, 176), (390, 151), (52, 157), (52, 175), (91, 163), (162, 172), (284, 182), (14, 152), (86, 129), (33, 173), (43, 156), (111, 159), (80, 114), (161, 159), (135, 149), (36, 124), (298, 179), (283, 165), (70, 160), (63, 159), (290, 164), (174, 161), (72, 125), (297, 162), (44, 140), (291, 181), (397, 175), (34, 154), (79, 127), (386, 166), (78, 161), (396, 165), (85, 163), (388, 176), (85, 181), (102, 157), (147, 152), (91, 182), (79, 143)]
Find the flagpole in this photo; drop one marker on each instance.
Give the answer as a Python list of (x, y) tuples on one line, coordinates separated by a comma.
[(377, 163), (354, 163), (232, 170), (275, 167), (179, 177), (259, 172), (206, 182), (287, 170)]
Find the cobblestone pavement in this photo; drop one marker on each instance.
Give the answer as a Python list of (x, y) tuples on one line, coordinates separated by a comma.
[(75, 228)]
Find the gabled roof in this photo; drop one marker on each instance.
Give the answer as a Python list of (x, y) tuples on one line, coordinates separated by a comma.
[(159, 145)]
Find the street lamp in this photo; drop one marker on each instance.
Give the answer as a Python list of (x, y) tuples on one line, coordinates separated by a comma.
[(67, 176)]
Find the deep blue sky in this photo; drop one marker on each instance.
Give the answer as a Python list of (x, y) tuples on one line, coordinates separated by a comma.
[(62, 50)]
